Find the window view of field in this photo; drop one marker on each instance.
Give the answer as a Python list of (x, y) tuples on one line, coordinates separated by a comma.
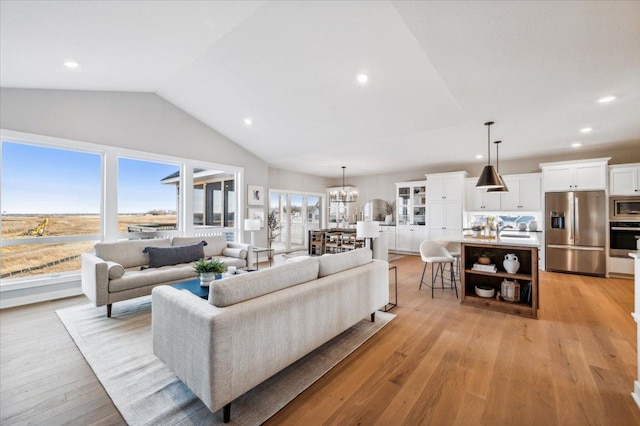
[(52, 192), (35, 259)]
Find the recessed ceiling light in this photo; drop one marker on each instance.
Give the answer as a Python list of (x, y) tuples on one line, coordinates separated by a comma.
[(606, 99), (248, 122), (478, 156), (576, 145), (362, 78), (71, 64), (586, 130)]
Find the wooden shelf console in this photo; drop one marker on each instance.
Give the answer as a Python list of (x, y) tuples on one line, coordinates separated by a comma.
[(528, 272)]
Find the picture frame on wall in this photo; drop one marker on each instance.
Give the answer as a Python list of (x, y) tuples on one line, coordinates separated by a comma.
[(256, 213), (255, 195)]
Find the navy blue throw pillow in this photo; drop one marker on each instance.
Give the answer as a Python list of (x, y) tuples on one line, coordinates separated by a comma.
[(174, 255)]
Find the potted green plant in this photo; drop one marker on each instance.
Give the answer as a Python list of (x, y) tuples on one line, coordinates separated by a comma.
[(273, 227), (209, 270)]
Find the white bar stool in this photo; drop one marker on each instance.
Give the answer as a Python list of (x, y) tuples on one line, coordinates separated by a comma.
[(435, 254)]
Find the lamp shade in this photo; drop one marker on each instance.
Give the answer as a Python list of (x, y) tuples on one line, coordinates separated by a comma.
[(252, 224), (502, 188), (368, 229), (489, 178)]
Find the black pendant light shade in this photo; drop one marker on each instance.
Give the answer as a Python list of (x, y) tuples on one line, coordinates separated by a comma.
[(489, 177), (503, 188)]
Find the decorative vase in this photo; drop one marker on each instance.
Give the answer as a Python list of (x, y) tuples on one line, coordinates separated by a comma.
[(533, 225), (206, 278), (511, 264), (388, 219)]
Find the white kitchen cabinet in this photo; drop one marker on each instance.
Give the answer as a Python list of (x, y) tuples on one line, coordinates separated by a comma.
[(524, 193), (445, 195), (389, 234), (624, 179), (408, 238), (478, 199), (411, 218), (584, 175), (411, 200)]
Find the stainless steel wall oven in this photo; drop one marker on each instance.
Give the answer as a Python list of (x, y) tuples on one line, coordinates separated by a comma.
[(623, 237)]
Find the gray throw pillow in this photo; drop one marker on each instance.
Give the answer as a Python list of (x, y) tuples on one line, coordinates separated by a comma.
[(174, 255)]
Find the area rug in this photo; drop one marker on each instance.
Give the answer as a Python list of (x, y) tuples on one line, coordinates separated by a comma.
[(146, 392)]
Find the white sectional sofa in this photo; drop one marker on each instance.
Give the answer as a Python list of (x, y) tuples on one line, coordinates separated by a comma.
[(256, 324), (127, 269)]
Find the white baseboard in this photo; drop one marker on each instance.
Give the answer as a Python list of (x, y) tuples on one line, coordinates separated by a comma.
[(25, 296)]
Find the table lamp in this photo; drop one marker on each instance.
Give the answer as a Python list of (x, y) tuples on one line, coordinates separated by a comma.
[(368, 230), (252, 225)]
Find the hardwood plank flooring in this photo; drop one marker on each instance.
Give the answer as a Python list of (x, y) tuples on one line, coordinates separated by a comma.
[(438, 362)]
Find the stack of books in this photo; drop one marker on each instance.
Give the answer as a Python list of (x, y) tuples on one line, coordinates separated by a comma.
[(484, 268)]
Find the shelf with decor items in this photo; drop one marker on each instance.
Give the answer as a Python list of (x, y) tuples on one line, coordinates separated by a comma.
[(527, 256)]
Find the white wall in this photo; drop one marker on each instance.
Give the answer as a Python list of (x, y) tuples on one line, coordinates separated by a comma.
[(294, 181)]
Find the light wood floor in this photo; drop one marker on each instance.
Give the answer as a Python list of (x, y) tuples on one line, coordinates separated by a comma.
[(437, 363)]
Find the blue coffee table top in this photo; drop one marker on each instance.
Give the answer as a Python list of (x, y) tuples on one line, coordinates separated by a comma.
[(194, 287)]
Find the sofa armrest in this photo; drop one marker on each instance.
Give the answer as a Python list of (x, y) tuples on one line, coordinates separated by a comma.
[(182, 327), (95, 279)]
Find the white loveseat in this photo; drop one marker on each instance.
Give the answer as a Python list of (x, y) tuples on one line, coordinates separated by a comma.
[(256, 324), (120, 271)]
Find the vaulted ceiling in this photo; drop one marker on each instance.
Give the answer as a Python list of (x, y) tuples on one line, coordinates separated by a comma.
[(436, 72)]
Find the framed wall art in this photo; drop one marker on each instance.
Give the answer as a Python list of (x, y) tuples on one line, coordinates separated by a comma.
[(255, 195)]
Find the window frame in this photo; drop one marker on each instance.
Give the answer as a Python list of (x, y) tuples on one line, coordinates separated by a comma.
[(109, 201)]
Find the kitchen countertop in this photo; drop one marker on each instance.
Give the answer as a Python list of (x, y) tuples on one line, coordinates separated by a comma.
[(531, 239), (635, 254)]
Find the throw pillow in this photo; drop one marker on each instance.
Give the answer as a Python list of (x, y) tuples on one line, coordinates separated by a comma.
[(174, 255)]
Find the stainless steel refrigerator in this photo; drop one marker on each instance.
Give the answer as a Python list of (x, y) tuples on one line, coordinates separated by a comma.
[(576, 230)]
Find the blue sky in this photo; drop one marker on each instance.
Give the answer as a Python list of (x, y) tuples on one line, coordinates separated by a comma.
[(48, 180)]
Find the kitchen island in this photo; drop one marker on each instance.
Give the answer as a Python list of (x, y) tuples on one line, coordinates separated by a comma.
[(524, 246)]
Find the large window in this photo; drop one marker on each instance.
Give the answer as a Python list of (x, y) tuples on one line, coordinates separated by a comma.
[(50, 208), (145, 202), (58, 198)]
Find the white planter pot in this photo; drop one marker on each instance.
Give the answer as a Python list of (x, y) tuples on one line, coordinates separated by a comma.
[(388, 219), (207, 278)]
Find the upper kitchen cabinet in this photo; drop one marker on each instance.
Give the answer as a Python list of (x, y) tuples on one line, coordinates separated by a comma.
[(445, 195), (524, 193), (478, 199), (624, 179), (445, 186), (581, 175)]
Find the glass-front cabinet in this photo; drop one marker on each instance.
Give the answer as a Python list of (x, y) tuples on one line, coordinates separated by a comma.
[(411, 200), (412, 203)]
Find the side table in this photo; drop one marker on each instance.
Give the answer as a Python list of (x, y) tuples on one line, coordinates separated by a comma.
[(389, 306), (258, 250)]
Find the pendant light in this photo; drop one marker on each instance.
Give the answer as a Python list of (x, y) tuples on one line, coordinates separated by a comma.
[(503, 188), (343, 196), (489, 177)]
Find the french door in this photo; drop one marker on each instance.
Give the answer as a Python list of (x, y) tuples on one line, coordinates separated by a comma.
[(294, 215)]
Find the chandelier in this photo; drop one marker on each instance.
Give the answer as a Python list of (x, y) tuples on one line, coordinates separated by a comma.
[(346, 195)]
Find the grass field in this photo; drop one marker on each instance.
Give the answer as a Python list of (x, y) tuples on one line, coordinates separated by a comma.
[(16, 258)]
